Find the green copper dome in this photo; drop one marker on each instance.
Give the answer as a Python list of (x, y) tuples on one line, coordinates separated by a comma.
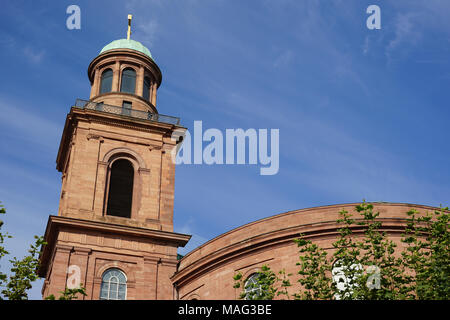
[(127, 44)]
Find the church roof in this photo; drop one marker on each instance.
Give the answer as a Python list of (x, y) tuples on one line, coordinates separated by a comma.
[(127, 44)]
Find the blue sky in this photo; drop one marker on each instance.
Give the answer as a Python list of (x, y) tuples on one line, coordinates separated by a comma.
[(362, 114)]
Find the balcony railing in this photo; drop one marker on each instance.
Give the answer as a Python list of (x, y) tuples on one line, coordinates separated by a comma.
[(138, 114)]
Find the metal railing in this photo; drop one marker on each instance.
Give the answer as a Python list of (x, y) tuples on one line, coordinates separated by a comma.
[(145, 115)]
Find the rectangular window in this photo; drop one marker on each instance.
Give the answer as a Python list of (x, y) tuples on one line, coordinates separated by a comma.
[(146, 92), (128, 81), (106, 81), (126, 108)]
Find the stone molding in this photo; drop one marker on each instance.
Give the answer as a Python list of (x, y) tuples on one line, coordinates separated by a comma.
[(56, 223), (280, 230)]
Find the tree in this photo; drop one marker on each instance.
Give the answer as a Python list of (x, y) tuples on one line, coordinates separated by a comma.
[(265, 285), (23, 272), (370, 266), (314, 269), (69, 294), (3, 251), (427, 257)]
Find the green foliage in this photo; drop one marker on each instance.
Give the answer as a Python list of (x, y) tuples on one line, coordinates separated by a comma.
[(266, 285), (345, 258), (314, 268), (3, 251), (366, 264), (69, 294), (23, 272), (427, 255), (370, 267)]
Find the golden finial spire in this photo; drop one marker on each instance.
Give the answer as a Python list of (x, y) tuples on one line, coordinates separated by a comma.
[(129, 26)]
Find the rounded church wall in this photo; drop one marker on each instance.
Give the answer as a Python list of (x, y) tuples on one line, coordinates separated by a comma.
[(207, 272)]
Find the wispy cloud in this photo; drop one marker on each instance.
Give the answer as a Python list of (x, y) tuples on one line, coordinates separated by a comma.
[(196, 240), (145, 25), (7, 41), (27, 124), (147, 31), (432, 61), (283, 59), (35, 56), (365, 47), (406, 34)]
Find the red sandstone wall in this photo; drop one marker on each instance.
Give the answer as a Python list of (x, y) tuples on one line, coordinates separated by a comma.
[(207, 272), (147, 264)]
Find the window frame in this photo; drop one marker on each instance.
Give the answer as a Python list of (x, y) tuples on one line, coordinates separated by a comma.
[(140, 169), (109, 284), (127, 106), (251, 278), (108, 186), (126, 68), (102, 79), (146, 92)]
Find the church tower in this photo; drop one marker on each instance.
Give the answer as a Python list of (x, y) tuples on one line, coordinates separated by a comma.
[(114, 228)]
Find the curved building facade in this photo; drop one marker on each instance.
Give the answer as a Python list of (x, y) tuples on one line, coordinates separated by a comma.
[(207, 272)]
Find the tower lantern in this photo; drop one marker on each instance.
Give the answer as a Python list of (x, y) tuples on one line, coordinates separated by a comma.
[(125, 74)]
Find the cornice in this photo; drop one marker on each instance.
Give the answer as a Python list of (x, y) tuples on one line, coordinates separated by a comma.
[(127, 122), (338, 207), (55, 223), (225, 247), (274, 238), (136, 124), (118, 94)]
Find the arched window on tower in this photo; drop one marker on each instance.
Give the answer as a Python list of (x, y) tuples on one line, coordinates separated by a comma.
[(106, 81), (146, 93), (114, 285), (128, 80), (120, 193)]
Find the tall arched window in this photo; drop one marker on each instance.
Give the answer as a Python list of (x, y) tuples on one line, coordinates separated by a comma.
[(128, 80), (146, 93), (106, 81), (120, 193), (114, 285)]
